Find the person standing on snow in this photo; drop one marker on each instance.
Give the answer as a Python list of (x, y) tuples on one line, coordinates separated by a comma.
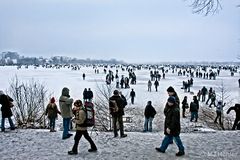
[(51, 112), (149, 114), (65, 103), (194, 107), (132, 95), (149, 86), (6, 103), (184, 106), (219, 111), (116, 108)]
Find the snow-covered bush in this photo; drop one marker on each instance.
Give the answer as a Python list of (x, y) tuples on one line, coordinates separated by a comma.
[(29, 101)]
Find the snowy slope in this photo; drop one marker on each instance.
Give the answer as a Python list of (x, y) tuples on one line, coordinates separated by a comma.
[(200, 142), (41, 144)]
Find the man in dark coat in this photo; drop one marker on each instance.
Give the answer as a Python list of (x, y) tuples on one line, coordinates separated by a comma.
[(194, 107), (171, 92), (236, 108), (156, 84), (204, 92), (116, 108), (89, 95), (132, 95), (85, 95), (172, 127), (149, 114), (6, 102)]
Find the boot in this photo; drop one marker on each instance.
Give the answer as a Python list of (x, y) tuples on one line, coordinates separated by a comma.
[(72, 152), (92, 150), (124, 135), (180, 153)]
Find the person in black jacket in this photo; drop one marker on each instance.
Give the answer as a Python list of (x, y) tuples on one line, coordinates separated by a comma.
[(85, 95), (236, 108), (171, 127), (149, 114), (6, 103), (116, 108), (89, 95), (132, 95), (194, 107), (184, 106), (171, 92)]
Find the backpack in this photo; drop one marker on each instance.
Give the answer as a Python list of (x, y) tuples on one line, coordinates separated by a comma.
[(113, 107), (90, 115)]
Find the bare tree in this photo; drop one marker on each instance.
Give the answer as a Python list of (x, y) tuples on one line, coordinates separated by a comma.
[(223, 95), (103, 118), (206, 6), (30, 100)]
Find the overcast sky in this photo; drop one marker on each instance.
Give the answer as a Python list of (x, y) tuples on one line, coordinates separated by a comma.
[(129, 30)]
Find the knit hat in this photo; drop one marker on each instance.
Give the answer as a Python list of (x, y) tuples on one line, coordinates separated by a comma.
[(78, 103), (170, 89), (171, 99), (1, 92), (52, 100), (115, 92)]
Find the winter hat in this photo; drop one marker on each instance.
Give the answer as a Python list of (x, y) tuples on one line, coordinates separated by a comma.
[(170, 89), (65, 92), (52, 100), (78, 103), (115, 92), (1, 92), (171, 99)]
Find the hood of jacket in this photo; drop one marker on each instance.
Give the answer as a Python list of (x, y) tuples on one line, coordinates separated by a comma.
[(65, 92)]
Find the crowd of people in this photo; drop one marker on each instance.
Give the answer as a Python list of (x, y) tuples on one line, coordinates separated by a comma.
[(117, 104)]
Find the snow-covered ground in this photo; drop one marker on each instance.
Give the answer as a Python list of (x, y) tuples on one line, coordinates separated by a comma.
[(40, 144)]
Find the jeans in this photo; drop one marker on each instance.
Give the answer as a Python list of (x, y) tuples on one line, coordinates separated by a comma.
[(168, 139), (66, 122), (10, 122), (194, 115), (52, 123), (148, 124)]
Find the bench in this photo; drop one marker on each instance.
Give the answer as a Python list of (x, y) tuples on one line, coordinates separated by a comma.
[(127, 119)]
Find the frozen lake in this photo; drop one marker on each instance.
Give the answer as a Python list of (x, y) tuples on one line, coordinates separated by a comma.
[(56, 79)]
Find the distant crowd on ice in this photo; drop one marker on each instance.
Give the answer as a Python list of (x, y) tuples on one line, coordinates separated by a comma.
[(117, 103)]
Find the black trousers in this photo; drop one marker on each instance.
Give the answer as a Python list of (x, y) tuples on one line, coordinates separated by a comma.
[(118, 119), (77, 138), (235, 123), (219, 115)]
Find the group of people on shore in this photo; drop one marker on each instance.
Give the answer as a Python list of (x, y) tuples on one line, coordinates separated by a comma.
[(117, 103)]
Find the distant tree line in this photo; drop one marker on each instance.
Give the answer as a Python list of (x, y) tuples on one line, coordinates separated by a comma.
[(13, 58)]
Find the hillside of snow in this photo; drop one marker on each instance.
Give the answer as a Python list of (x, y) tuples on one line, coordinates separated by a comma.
[(42, 145)]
